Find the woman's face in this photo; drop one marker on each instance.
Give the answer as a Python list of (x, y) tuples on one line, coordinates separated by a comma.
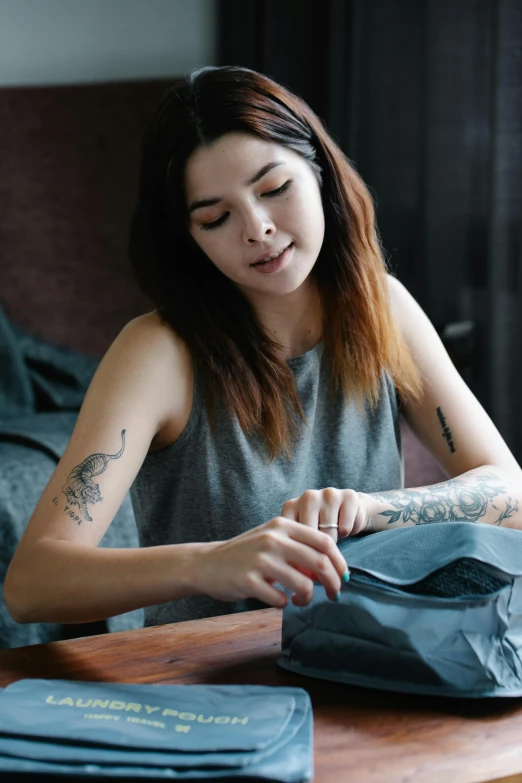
[(248, 199)]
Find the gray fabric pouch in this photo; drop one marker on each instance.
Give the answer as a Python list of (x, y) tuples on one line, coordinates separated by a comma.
[(191, 732), (434, 609)]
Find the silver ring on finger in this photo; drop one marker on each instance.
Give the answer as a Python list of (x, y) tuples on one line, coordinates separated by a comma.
[(327, 527)]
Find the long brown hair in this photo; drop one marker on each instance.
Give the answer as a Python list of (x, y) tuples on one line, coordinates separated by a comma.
[(237, 360)]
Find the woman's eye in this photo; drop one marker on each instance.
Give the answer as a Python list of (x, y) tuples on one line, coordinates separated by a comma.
[(270, 194), (277, 191), (215, 224)]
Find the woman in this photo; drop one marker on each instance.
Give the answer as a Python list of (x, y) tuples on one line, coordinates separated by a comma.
[(254, 412)]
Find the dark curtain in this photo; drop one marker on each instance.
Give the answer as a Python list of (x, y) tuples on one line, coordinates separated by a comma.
[(425, 97)]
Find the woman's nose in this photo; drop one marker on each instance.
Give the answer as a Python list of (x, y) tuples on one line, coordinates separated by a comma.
[(256, 227)]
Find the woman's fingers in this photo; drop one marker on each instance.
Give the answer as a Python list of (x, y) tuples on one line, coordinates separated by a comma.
[(300, 562), (317, 509), (347, 512), (329, 512), (263, 591), (315, 540), (293, 577), (308, 508), (290, 510), (280, 550), (337, 512), (306, 571)]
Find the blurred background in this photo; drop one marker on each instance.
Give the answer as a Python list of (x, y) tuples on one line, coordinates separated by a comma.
[(424, 96)]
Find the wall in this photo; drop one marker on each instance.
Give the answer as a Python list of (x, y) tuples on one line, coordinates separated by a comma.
[(74, 41)]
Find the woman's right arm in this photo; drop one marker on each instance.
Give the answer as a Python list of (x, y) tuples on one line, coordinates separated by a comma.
[(59, 574)]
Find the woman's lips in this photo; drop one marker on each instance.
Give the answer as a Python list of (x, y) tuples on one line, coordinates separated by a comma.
[(276, 264)]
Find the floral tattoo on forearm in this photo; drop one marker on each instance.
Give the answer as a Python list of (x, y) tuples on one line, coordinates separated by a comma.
[(455, 499)]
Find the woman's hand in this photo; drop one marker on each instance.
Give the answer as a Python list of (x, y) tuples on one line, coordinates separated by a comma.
[(280, 550), (339, 512)]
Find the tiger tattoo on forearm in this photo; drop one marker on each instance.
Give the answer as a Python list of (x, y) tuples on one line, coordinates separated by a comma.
[(80, 488)]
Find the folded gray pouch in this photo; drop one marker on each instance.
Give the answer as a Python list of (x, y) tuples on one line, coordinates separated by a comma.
[(156, 731), (431, 609)]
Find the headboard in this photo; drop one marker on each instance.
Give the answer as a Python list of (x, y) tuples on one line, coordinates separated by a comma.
[(69, 169)]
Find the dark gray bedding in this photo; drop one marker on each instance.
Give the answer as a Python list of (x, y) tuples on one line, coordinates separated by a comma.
[(41, 390)]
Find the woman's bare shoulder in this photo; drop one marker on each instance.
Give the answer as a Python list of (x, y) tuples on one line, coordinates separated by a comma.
[(171, 352), (149, 328), (152, 322)]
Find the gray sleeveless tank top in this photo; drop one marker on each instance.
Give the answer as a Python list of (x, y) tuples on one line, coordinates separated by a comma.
[(213, 486)]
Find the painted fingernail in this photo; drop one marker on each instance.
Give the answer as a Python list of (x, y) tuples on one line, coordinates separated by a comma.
[(336, 597), (346, 576)]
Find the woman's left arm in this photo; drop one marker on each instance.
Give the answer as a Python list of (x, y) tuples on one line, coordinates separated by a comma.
[(485, 481), (485, 494)]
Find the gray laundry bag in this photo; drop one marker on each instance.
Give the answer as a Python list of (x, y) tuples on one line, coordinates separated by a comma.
[(177, 732), (431, 609)]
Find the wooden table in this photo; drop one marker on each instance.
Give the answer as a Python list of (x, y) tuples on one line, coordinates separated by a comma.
[(361, 735)]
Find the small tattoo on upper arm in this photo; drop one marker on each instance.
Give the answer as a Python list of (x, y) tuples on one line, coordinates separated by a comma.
[(80, 488), (446, 432)]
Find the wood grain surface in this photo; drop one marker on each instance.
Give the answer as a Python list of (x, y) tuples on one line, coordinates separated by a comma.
[(360, 735)]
